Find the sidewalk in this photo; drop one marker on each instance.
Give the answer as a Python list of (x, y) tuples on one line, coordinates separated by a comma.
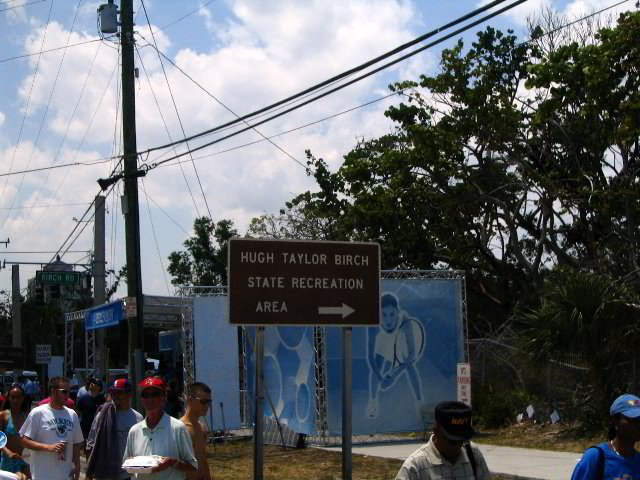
[(508, 462)]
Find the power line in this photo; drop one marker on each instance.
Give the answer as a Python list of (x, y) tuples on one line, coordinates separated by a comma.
[(153, 94), (306, 125), (357, 68), (340, 87), (41, 252), (46, 111), (23, 5), (166, 214), (26, 55), (185, 16), (227, 108), (155, 239), (153, 37), (26, 109), (43, 206)]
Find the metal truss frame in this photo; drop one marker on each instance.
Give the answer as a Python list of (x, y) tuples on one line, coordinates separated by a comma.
[(323, 436), (187, 293), (159, 312)]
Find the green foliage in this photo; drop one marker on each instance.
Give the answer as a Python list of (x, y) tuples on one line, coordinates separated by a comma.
[(595, 318), (495, 408), (205, 260)]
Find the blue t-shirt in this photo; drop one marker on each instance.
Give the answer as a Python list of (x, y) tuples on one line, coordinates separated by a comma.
[(616, 467)]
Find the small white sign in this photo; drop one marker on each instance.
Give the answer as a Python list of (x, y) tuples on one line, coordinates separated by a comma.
[(43, 353), (555, 417), (464, 383), (530, 411)]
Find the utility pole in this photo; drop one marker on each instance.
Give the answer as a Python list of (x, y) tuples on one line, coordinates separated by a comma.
[(16, 306), (99, 279), (132, 221)]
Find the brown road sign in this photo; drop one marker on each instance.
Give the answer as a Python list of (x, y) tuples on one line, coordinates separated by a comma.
[(295, 282)]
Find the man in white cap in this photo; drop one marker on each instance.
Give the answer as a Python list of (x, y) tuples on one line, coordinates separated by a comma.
[(618, 457), (443, 457)]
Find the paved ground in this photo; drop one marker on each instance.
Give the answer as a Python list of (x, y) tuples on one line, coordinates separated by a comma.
[(515, 463), (518, 463)]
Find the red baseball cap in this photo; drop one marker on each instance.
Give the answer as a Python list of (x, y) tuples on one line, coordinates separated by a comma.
[(153, 382), (121, 384)]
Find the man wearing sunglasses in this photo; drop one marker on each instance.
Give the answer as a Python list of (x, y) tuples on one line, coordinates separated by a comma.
[(162, 435), (618, 457), (198, 402), (53, 432)]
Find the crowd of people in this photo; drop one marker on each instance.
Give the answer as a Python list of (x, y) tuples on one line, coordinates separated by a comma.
[(46, 442)]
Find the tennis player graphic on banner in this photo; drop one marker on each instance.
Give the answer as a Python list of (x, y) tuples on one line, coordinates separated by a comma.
[(393, 348)]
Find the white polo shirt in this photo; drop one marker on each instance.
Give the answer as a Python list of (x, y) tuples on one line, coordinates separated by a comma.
[(426, 463), (169, 438)]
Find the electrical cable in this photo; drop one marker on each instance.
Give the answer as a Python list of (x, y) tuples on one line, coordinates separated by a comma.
[(185, 16), (167, 215), (44, 206), (66, 174), (84, 215), (44, 117), (26, 109), (359, 67), (340, 87), (155, 239), (26, 55), (23, 5), (166, 128), (226, 107), (300, 127), (184, 134)]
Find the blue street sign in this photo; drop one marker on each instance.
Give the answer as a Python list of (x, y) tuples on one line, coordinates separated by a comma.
[(106, 315)]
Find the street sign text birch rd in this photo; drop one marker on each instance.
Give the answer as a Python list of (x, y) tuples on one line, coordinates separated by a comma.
[(295, 282)]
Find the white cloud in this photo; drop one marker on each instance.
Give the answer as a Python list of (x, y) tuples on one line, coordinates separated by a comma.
[(16, 13), (3, 117)]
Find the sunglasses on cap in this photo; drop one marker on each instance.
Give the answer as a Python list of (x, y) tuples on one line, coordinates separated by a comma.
[(151, 394), (64, 391)]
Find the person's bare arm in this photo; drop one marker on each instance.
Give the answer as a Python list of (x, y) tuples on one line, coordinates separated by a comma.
[(42, 447)]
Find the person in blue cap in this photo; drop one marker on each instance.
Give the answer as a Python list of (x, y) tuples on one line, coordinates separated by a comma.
[(618, 457)]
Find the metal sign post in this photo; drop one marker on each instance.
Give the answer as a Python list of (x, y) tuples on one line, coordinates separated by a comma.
[(258, 432), (301, 283), (346, 403)]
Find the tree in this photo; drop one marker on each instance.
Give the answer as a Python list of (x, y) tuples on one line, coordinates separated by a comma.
[(505, 182), (205, 260), (594, 318)]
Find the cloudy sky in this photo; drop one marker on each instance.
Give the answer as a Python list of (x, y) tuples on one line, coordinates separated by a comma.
[(62, 107)]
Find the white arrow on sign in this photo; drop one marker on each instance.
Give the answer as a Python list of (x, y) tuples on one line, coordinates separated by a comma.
[(344, 310)]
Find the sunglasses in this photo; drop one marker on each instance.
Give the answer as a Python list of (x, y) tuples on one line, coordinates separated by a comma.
[(203, 401), (151, 394), (64, 391)]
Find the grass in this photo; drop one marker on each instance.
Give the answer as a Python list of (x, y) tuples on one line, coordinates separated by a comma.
[(234, 459)]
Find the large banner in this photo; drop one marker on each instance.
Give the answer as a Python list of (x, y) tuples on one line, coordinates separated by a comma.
[(216, 359), (289, 376), (404, 367)]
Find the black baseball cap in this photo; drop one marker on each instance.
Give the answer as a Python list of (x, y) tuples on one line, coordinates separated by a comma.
[(455, 420)]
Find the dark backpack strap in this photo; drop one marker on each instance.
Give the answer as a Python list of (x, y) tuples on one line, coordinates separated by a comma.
[(600, 466), (472, 459)]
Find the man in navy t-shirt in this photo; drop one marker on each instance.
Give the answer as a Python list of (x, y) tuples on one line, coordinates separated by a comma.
[(621, 459)]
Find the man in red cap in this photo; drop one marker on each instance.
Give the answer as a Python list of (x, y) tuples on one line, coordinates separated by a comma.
[(162, 435), (107, 438), (444, 457)]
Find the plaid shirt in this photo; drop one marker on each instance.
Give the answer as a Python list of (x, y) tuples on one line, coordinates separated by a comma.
[(426, 463)]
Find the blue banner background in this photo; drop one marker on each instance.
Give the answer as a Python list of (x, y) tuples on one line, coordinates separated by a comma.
[(405, 404), (106, 315), (216, 358), (289, 374)]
